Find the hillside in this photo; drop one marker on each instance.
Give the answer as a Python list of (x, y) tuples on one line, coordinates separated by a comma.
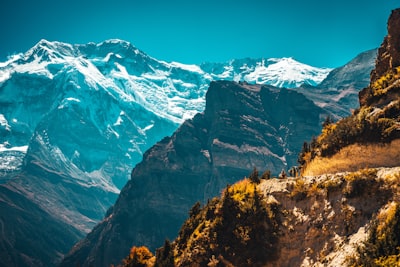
[(309, 221), (373, 127)]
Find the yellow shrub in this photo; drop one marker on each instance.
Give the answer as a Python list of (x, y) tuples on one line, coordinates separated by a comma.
[(242, 189)]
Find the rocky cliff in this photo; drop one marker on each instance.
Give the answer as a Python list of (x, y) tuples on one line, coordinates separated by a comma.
[(347, 218), (243, 126), (308, 221), (389, 51), (383, 86)]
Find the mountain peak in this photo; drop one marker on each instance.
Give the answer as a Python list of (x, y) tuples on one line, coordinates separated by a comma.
[(49, 50), (286, 72)]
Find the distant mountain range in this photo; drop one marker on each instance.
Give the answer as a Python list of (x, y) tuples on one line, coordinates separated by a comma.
[(75, 119)]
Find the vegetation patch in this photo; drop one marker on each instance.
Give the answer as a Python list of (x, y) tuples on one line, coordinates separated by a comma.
[(239, 228), (356, 156), (382, 247), (358, 182)]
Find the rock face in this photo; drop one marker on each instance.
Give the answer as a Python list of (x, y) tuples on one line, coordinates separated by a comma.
[(384, 87), (243, 126), (389, 51)]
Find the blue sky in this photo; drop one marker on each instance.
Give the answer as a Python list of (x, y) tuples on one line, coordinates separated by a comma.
[(316, 32)]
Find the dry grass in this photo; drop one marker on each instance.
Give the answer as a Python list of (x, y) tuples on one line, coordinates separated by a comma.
[(355, 157)]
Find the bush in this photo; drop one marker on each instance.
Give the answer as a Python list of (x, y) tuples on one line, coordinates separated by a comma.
[(358, 182), (139, 257), (382, 247), (299, 190)]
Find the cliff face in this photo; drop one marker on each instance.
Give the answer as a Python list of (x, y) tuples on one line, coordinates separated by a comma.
[(389, 51), (243, 126), (384, 86)]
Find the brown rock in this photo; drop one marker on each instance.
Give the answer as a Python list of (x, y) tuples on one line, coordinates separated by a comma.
[(389, 51)]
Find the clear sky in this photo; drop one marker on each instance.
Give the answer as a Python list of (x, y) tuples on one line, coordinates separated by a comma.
[(316, 32)]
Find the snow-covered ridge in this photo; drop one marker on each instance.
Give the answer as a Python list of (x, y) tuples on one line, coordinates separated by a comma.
[(173, 90)]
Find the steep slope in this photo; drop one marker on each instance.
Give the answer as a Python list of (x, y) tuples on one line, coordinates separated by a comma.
[(338, 92), (339, 219), (242, 126), (26, 230), (308, 221), (375, 123)]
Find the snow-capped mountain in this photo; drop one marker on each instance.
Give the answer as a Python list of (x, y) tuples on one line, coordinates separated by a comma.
[(278, 72)]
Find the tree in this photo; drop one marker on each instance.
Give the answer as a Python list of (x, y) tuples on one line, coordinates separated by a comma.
[(139, 257), (254, 176), (165, 255), (266, 175), (328, 120), (195, 209)]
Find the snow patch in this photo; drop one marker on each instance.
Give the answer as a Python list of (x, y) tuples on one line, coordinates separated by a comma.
[(145, 129), (206, 154), (22, 149), (4, 122), (192, 68)]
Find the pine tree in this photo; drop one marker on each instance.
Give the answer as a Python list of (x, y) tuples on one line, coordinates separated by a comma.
[(266, 175), (165, 255), (254, 176)]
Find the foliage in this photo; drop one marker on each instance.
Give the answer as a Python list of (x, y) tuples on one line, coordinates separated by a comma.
[(299, 190), (358, 182), (266, 175), (356, 156), (254, 176), (380, 86), (382, 248), (139, 257), (237, 229), (366, 126), (165, 255)]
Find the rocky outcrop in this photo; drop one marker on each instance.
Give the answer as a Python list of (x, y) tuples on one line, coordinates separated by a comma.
[(243, 126), (308, 221), (383, 87), (389, 51)]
